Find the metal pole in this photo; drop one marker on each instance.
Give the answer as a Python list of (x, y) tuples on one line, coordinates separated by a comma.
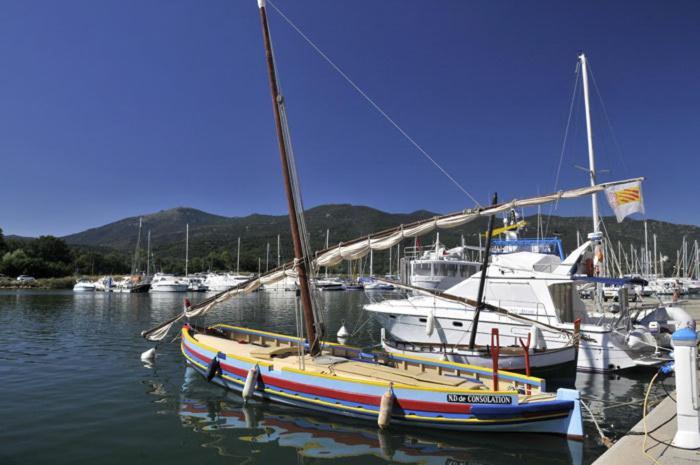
[(148, 258), (646, 250), (482, 280), (656, 259), (277, 101), (390, 260), (328, 232), (238, 256), (279, 259), (589, 133)]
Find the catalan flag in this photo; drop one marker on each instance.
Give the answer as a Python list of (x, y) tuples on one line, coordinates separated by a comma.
[(625, 199)]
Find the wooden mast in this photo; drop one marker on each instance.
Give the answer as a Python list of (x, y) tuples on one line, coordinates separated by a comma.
[(277, 101)]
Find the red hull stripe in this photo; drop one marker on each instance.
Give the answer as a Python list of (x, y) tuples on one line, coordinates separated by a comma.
[(351, 397)]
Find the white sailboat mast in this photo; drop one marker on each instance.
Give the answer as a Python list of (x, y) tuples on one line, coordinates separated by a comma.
[(647, 268), (148, 255), (589, 133), (328, 236), (187, 247), (238, 256)]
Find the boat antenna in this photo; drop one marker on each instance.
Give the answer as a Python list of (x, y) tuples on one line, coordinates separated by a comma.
[(299, 262), (482, 280)]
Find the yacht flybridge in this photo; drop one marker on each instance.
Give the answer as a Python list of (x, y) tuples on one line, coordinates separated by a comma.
[(437, 267)]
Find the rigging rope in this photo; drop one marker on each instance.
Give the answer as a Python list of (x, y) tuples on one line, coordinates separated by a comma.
[(607, 118), (563, 144), (373, 103)]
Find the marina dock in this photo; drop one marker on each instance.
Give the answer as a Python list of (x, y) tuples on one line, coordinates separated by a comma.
[(661, 425)]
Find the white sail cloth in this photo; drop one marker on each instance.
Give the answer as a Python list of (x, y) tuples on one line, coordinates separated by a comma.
[(359, 248)]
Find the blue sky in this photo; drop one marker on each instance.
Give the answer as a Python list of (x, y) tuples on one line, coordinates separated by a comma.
[(117, 108)]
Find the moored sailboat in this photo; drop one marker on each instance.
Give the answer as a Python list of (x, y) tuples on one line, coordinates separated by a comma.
[(332, 378)]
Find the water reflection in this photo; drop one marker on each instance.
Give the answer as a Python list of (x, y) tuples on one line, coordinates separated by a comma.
[(615, 398), (225, 424)]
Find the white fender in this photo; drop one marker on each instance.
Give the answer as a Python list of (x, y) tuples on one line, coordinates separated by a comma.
[(537, 341), (250, 382), (681, 317), (385, 406), (343, 331), (430, 323), (149, 355)]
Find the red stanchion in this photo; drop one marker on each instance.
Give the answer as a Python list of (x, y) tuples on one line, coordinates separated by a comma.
[(495, 349)]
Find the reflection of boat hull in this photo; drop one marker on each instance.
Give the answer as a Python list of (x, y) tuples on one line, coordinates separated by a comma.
[(315, 437), (557, 366), (452, 407)]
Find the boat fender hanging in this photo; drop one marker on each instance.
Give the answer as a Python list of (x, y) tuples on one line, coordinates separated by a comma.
[(251, 381), (537, 338), (149, 355), (343, 332), (430, 323), (385, 407), (213, 369)]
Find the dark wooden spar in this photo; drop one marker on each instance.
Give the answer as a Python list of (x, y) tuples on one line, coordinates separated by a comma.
[(277, 103)]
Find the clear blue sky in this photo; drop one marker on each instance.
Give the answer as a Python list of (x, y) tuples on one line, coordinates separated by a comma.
[(116, 108)]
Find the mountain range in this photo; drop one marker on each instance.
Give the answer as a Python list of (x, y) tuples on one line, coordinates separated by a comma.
[(211, 233)]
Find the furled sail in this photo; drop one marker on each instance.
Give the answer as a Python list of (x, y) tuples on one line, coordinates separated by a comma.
[(358, 248), (383, 240)]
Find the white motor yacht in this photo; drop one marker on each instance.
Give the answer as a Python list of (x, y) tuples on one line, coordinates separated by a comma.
[(168, 283), (539, 287), (83, 285), (195, 284), (104, 284), (223, 282)]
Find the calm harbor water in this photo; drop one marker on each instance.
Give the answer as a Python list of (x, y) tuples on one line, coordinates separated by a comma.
[(75, 391)]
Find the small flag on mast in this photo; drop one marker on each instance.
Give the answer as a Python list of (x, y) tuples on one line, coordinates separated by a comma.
[(625, 199)]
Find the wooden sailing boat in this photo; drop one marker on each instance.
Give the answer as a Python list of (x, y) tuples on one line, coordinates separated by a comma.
[(387, 389)]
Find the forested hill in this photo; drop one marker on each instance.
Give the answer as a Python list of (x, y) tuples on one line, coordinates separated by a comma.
[(213, 238)]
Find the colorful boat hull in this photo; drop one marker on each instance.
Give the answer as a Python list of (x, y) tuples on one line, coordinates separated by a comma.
[(440, 407)]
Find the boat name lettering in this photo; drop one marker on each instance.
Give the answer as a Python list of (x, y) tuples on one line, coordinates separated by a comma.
[(479, 399)]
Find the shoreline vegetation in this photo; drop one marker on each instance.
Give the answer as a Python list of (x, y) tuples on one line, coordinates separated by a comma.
[(66, 282)]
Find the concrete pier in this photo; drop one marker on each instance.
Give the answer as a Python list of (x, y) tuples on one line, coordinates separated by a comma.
[(661, 425)]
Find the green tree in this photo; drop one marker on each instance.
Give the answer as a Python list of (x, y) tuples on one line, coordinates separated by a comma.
[(3, 246), (15, 263), (50, 249)]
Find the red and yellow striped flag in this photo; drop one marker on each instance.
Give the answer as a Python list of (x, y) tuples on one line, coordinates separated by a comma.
[(625, 199)]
